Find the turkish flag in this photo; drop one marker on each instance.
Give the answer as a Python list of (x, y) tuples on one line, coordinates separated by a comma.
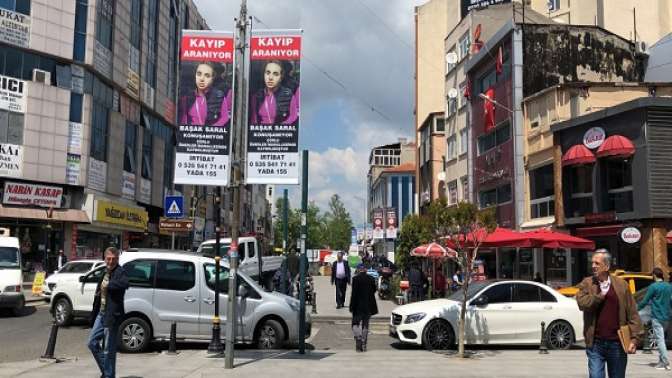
[(467, 90), (489, 110), (500, 61)]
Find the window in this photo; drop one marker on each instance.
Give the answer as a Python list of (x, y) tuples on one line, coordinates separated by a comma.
[(642, 283), (168, 164), (452, 192), (452, 148), (581, 182), (440, 125), (462, 100), (104, 25), (135, 38), (452, 106), (175, 275), (11, 127), (172, 51), (496, 196), (147, 154), (504, 194), (499, 293), (100, 125), (79, 46), (464, 45), (542, 192), (130, 143), (224, 280), (450, 66), (19, 6), (553, 5), (95, 276), (619, 185), (140, 273), (464, 141), (465, 188), (76, 267), (499, 136), (526, 293), (546, 296), (152, 42), (487, 80), (76, 104)]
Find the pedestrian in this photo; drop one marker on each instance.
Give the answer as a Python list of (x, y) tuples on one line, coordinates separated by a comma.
[(362, 305), (537, 278), (416, 282), (439, 283), (340, 276), (609, 312), (62, 259), (658, 296), (108, 310), (457, 280), (293, 268)]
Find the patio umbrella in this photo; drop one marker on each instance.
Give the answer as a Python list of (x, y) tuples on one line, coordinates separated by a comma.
[(669, 237), (433, 250), (500, 237), (544, 238)]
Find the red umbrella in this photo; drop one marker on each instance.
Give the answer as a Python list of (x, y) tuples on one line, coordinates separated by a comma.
[(433, 250), (500, 237), (544, 238), (669, 237)]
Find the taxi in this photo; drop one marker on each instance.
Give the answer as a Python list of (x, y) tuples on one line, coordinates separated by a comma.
[(636, 281)]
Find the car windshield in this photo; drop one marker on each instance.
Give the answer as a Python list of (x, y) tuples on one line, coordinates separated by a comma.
[(9, 257), (209, 250), (76, 267), (473, 289)]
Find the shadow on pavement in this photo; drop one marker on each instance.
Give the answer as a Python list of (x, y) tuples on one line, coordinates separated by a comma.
[(26, 311)]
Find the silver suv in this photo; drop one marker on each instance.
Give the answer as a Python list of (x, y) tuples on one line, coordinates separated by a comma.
[(167, 287)]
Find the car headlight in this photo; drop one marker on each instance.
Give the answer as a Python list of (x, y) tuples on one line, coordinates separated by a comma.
[(415, 317), (293, 304)]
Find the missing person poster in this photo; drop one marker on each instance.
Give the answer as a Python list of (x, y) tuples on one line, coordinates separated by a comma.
[(204, 108), (273, 108), (378, 230)]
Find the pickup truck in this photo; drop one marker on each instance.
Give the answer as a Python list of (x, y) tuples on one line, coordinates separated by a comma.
[(248, 257)]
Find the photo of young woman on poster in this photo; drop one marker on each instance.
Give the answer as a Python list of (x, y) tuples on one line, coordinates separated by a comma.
[(205, 98), (277, 101)]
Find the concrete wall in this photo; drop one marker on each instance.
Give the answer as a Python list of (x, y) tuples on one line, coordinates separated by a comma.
[(52, 27)]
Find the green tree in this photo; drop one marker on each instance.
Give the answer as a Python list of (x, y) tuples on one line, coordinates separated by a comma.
[(338, 224), (293, 221), (415, 230), (316, 227)]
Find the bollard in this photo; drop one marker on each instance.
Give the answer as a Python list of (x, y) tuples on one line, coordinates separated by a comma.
[(543, 349), (313, 310), (646, 343), (172, 343), (51, 345)]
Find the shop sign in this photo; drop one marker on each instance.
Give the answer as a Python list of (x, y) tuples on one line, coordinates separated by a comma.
[(128, 185), (101, 58), (12, 94), (631, 235), (97, 174), (75, 138), (145, 191), (16, 193), (113, 213), (175, 225), (14, 28), (600, 217), (72, 169), (11, 160), (594, 137)]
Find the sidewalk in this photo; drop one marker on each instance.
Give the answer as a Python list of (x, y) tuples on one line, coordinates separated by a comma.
[(326, 303), (324, 364)]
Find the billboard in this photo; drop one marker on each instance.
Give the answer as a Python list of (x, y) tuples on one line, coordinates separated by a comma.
[(391, 220), (204, 108), (378, 231), (469, 5), (273, 111)]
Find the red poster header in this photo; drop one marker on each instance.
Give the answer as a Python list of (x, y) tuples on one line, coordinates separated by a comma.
[(205, 48), (276, 47)]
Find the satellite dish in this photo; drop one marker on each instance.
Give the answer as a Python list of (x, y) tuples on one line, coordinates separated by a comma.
[(451, 58), (452, 93)]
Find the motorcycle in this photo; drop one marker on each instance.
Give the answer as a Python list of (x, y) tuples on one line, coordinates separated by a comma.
[(384, 286), (309, 288)]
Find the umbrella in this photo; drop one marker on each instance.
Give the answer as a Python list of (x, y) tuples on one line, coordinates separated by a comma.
[(544, 238), (500, 237), (433, 250), (669, 237)]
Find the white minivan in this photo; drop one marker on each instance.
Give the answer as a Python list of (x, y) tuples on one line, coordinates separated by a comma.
[(11, 277)]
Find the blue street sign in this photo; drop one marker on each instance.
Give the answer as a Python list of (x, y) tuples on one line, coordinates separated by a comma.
[(173, 207)]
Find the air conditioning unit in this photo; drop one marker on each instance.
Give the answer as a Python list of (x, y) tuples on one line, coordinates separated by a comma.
[(41, 76)]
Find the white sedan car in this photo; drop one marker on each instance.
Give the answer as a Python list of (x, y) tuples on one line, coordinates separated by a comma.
[(72, 270), (498, 312)]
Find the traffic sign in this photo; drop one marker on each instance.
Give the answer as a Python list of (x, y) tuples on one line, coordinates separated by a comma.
[(176, 225), (173, 207)]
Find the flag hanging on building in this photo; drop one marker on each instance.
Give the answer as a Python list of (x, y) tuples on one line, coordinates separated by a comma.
[(467, 90), (500, 61), (477, 43), (489, 109)]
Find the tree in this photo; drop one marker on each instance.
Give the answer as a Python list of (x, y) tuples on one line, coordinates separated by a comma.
[(415, 230), (293, 222), (316, 227), (338, 225)]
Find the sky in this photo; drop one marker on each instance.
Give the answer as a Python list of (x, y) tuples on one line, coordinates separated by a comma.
[(366, 47)]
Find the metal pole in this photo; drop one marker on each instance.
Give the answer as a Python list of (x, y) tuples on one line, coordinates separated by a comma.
[(302, 260), (216, 346), (172, 241), (237, 153), (285, 219)]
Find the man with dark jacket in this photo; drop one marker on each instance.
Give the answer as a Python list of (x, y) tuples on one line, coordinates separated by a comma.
[(607, 307), (416, 282), (362, 306), (108, 309), (340, 276)]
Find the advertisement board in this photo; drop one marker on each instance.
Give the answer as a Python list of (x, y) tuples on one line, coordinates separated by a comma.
[(128, 185), (12, 94), (273, 108), (18, 193), (97, 174), (14, 28), (468, 5), (11, 160), (391, 223), (378, 230)]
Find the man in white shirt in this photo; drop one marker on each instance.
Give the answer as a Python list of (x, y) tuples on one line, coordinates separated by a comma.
[(61, 259), (340, 276)]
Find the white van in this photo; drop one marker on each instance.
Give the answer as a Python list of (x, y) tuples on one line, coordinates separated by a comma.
[(11, 278)]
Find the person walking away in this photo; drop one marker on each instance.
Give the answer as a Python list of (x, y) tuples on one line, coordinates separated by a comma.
[(108, 310), (61, 259), (340, 276), (362, 305), (608, 310), (658, 296), (416, 281), (439, 283)]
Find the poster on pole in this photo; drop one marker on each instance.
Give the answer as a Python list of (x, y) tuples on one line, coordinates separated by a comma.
[(204, 108), (378, 231), (273, 108), (391, 220)]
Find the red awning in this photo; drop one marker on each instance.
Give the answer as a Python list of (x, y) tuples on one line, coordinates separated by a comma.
[(551, 239), (578, 154), (616, 146), (500, 237)]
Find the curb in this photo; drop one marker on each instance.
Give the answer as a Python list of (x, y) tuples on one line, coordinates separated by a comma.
[(334, 319)]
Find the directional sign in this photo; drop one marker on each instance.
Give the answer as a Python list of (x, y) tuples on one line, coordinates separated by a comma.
[(175, 225), (173, 206)]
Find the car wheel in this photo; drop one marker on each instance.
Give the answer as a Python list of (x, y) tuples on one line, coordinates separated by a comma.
[(134, 335), (62, 312), (559, 335), (438, 335), (270, 335), (18, 310)]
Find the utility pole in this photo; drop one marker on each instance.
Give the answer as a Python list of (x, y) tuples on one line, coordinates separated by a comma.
[(285, 219), (236, 172), (303, 259)]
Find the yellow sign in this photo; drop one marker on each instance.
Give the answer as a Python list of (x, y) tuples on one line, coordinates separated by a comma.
[(37, 283), (109, 212)]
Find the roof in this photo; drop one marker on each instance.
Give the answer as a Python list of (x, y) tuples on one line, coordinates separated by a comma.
[(406, 167), (642, 102)]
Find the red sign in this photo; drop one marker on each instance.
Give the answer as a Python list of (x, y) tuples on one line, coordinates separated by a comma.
[(207, 48), (73, 242), (17, 193), (275, 47), (600, 217)]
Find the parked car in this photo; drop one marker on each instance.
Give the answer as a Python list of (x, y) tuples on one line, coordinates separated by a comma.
[(11, 277), (636, 282), (167, 287), (498, 312), (71, 270)]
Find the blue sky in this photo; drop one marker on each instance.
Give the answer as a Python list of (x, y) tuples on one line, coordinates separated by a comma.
[(366, 46)]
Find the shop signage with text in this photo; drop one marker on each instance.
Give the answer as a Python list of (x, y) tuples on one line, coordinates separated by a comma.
[(631, 235), (17, 193), (113, 213), (594, 137), (175, 225)]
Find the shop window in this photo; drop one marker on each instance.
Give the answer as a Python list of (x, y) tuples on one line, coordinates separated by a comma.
[(11, 127), (175, 275), (140, 273), (19, 6), (525, 264), (147, 154), (556, 268), (581, 184), (542, 193), (104, 27), (499, 136), (100, 119), (130, 143), (499, 293), (619, 185)]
